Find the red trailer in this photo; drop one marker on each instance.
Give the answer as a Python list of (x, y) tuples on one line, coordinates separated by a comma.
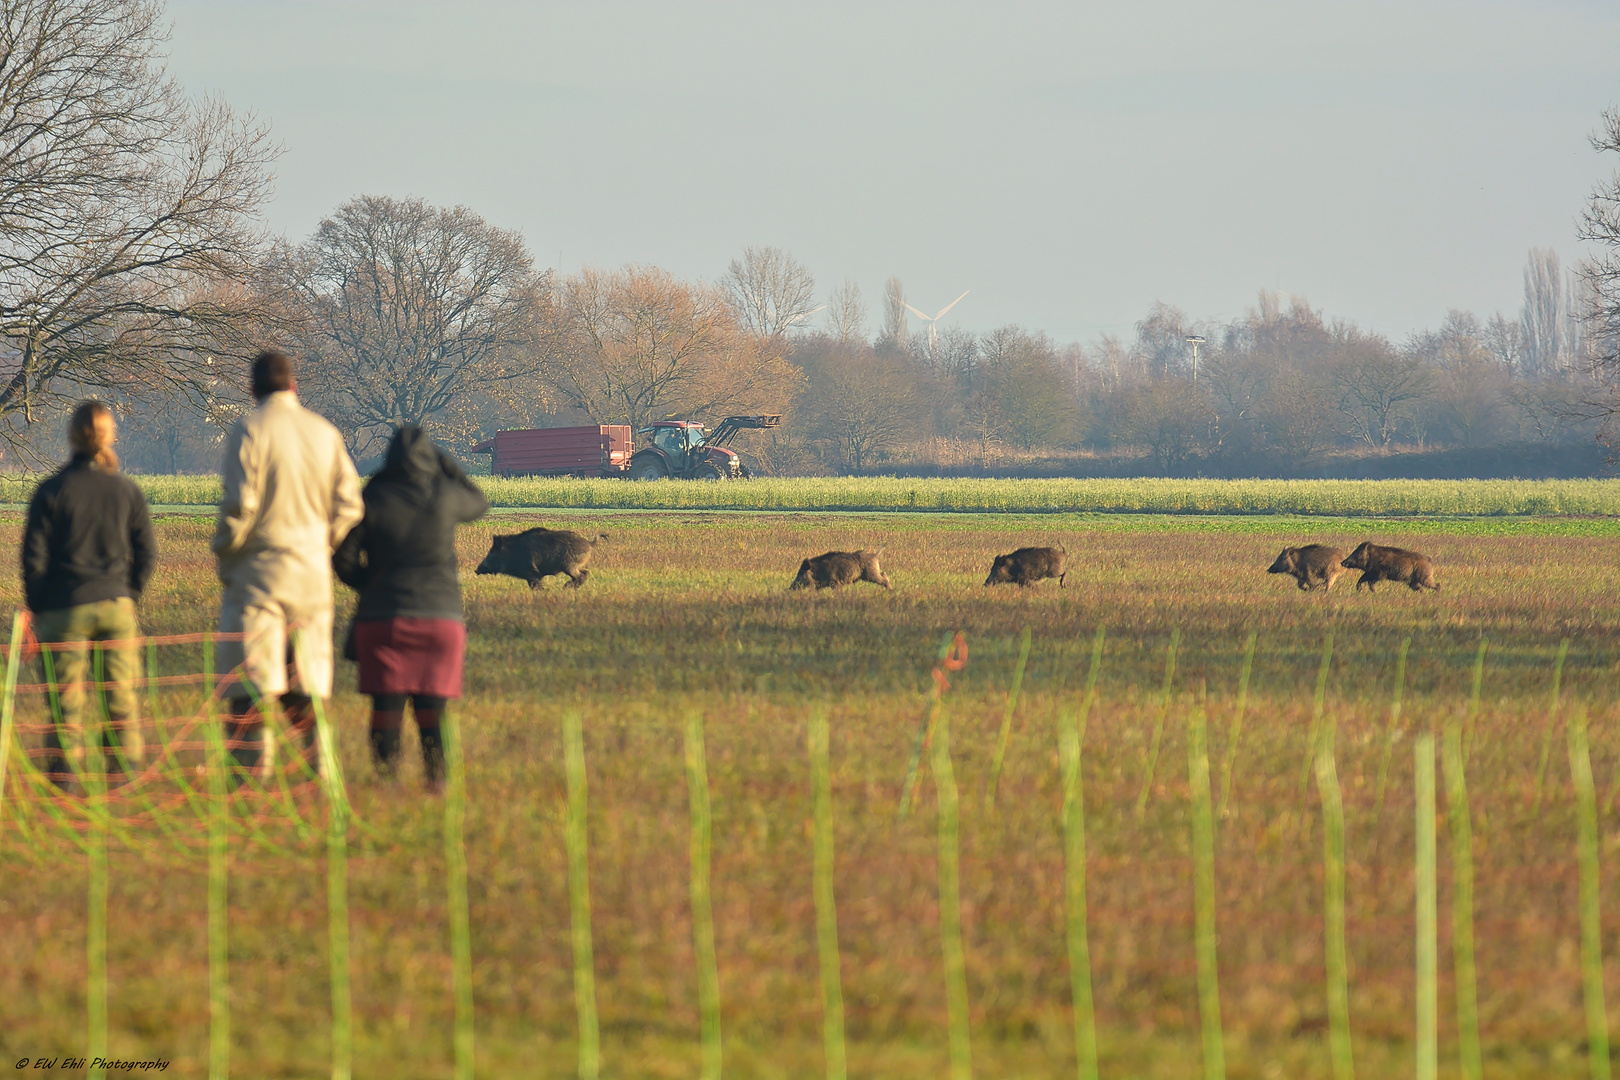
[(601, 450)]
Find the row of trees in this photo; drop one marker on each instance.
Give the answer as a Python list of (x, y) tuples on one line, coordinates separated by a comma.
[(132, 265)]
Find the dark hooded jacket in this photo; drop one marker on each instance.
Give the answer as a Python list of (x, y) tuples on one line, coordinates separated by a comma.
[(401, 558)]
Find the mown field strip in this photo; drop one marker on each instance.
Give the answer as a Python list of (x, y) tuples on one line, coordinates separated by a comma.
[(1309, 498)]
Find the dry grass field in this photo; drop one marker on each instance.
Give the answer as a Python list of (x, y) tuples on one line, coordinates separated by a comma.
[(690, 611)]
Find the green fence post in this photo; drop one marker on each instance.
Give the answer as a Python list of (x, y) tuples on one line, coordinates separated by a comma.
[(832, 984), (1338, 967), (8, 703), (1071, 739), (219, 1002), (455, 858), (1428, 912), (700, 846), (1203, 832), (337, 892), (1462, 903), (1597, 1017), (950, 901), (579, 897)]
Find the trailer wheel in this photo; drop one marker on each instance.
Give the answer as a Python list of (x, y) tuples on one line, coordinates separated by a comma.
[(648, 468)]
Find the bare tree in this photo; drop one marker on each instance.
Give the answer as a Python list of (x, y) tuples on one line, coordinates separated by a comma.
[(1543, 314), (846, 314), (407, 309), (1379, 389), (894, 335), (859, 405), (125, 210), (1600, 225), (770, 291), (638, 345)]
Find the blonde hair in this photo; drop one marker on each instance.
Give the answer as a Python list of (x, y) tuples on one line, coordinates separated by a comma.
[(92, 431)]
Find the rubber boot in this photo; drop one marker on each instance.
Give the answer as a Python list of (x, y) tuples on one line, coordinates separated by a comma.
[(384, 751), (299, 713), (432, 757)]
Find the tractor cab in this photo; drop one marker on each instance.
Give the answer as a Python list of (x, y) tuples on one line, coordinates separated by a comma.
[(678, 439), (680, 449)]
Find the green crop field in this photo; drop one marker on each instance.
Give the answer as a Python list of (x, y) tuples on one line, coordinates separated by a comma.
[(1343, 498), (687, 613)]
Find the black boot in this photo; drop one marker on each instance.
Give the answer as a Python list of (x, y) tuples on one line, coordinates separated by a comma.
[(432, 758), (384, 751)]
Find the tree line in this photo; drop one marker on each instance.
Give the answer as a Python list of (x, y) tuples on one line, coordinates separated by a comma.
[(134, 265)]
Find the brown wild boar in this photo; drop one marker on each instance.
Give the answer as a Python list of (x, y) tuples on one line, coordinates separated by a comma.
[(1311, 565), (840, 568), (538, 554), (1026, 566), (1378, 563)]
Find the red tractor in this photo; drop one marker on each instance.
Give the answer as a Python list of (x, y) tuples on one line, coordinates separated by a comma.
[(681, 451)]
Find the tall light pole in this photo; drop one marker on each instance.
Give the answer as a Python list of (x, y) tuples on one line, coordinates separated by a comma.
[(1195, 340)]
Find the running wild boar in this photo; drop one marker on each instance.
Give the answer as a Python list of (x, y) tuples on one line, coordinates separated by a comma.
[(840, 568), (1028, 565), (1311, 565), (538, 554), (1378, 563)]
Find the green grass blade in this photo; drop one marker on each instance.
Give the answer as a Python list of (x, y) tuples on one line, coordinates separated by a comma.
[(1333, 873), (1597, 1017), (1319, 704), (1236, 738), (96, 943), (1071, 739), (8, 705), (908, 790), (1547, 733), (579, 896), (832, 982), (1392, 732), (1428, 912), (701, 847), (1007, 719), (337, 895), (455, 860), (219, 976), (950, 901), (1473, 701), (1203, 836), (1158, 723), (1462, 904)]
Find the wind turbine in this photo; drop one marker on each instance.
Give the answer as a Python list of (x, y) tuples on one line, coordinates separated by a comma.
[(933, 321)]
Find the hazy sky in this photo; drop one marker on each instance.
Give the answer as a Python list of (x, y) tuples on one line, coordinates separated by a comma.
[(1070, 163)]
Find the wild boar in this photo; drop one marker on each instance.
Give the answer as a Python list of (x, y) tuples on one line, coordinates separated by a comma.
[(1026, 566), (841, 568), (1378, 563), (538, 554), (1311, 565)]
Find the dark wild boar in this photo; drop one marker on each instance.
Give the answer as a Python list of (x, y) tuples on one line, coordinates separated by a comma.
[(1026, 566), (538, 554), (1378, 563), (840, 568), (1311, 565)]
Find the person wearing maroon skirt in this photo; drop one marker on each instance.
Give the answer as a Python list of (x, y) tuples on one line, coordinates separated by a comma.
[(408, 633)]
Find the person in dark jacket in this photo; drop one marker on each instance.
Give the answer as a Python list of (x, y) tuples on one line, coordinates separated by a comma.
[(408, 634), (87, 554)]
